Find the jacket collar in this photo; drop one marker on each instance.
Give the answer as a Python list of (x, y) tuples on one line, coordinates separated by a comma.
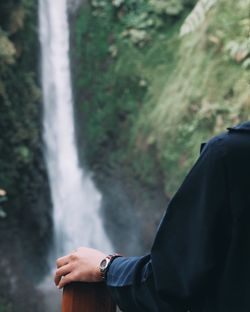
[(241, 127)]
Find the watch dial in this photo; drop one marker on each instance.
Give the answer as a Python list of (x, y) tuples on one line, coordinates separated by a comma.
[(103, 264)]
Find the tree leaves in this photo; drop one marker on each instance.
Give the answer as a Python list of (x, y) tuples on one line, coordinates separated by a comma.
[(7, 49), (169, 7)]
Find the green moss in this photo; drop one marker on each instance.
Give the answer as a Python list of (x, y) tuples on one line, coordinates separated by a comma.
[(115, 75), (205, 93), (149, 106)]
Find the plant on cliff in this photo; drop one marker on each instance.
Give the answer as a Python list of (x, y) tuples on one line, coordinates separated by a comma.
[(21, 164), (19, 93), (106, 40), (149, 96), (138, 21)]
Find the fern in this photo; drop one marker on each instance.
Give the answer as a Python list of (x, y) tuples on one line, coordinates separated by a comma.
[(197, 16)]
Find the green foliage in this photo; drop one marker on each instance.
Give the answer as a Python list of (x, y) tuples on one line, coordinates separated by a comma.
[(169, 7), (239, 51), (114, 75), (19, 94), (110, 101), (7, 49), (152, 97), (205, 93), (139, 20)]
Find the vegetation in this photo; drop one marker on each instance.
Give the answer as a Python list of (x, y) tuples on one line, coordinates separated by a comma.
[(19, 95), (4, 307), (151, 96), (23, 221)]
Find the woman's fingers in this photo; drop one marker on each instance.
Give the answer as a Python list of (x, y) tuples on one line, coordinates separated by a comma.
[(81, 265), (62, 271), (62, 261), (66, 280)]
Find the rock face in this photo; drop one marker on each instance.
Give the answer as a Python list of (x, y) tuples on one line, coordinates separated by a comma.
[(74, 5), (131, 210), (131, 207)]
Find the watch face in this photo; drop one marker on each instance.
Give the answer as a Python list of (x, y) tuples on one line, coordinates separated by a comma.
[(104, 264)]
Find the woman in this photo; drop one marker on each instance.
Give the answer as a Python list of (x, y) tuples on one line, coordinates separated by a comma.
[(200, 259)]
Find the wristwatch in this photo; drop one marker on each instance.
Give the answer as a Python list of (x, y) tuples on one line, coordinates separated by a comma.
[(105, 264)]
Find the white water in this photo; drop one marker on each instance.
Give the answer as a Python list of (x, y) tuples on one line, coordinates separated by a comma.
[(76, 201)]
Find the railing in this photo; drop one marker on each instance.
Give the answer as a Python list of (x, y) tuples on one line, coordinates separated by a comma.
[(87, 297)]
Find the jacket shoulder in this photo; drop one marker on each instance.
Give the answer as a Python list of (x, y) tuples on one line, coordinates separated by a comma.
[(234, 139)]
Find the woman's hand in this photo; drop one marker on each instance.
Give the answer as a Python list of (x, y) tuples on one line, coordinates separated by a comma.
[(81, 265)]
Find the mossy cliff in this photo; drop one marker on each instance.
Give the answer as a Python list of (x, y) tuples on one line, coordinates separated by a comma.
[(24, 233), (147, 97)]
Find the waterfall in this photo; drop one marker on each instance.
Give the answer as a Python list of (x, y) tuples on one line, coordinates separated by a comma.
[(76, 201)]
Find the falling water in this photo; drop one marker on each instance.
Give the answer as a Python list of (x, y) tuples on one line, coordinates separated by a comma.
[(76, 201)]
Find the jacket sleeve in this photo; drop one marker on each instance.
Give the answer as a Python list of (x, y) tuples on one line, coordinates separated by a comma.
[(189, 248)]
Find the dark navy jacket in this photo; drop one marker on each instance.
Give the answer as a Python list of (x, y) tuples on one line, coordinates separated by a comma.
[(200, 259)]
